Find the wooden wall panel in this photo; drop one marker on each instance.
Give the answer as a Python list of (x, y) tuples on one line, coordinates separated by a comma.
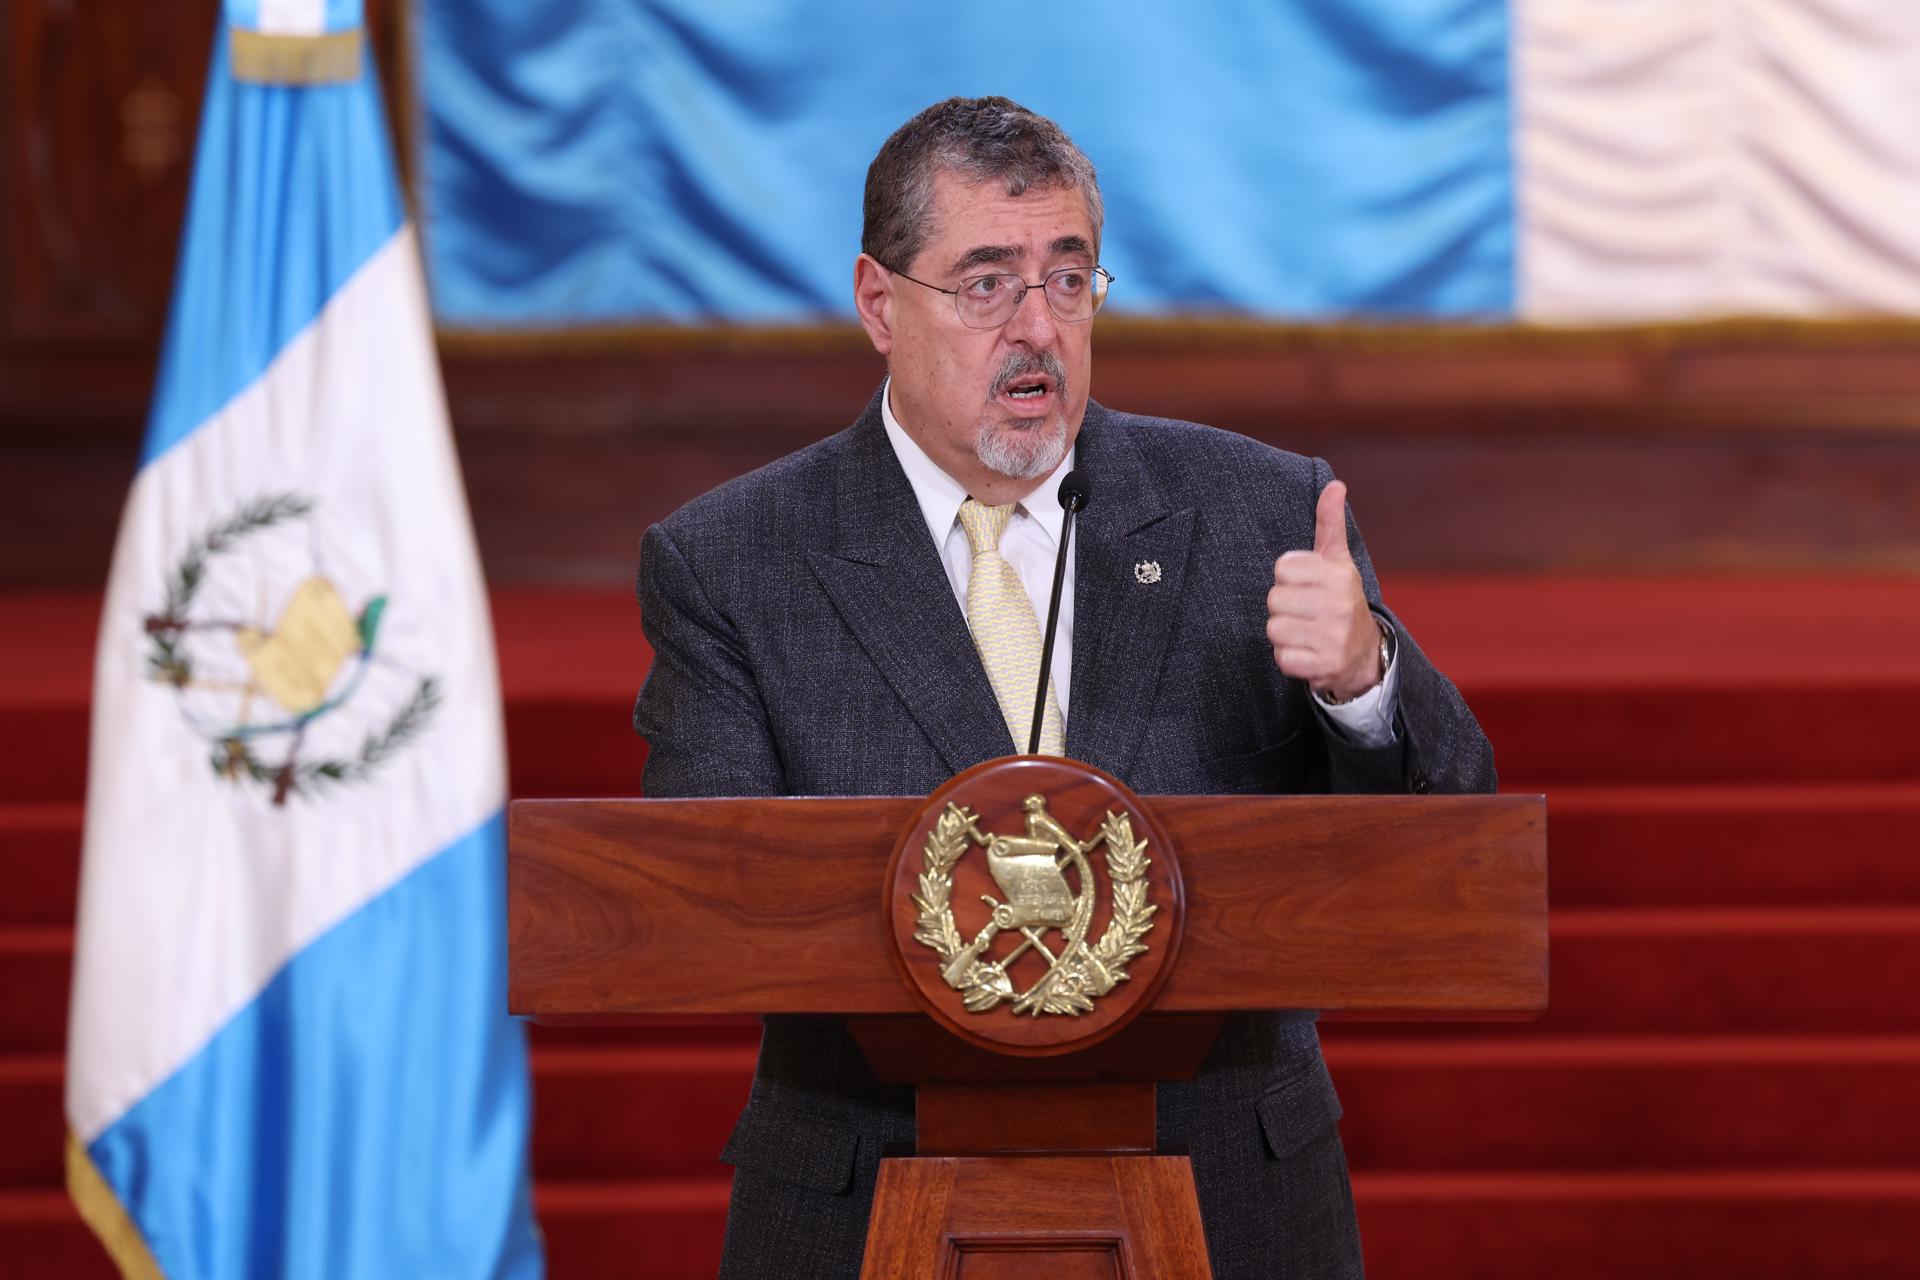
[(99, 112), (572, 511), (102, 106), (1507, 455), (567, 460)]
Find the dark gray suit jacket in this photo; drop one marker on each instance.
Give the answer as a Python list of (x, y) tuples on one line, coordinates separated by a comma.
[(807, 642)]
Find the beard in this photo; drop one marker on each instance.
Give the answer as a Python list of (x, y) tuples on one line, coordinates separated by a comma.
[(1025, 449)]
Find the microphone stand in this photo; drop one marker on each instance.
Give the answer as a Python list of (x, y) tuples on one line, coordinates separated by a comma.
[(1073, 497)]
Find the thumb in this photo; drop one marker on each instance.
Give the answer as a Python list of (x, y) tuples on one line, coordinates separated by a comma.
[(1330, 523)]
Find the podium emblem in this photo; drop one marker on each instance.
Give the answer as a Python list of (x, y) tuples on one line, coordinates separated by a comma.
[(1034, 906), (1050, 889)]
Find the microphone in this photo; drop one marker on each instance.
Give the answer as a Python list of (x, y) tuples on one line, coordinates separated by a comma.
[(1073, 496)]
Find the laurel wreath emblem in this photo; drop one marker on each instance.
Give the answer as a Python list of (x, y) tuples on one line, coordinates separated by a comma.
[(1082, 972), (172, 660)]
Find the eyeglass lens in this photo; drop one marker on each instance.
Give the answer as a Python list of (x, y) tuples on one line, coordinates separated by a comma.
[(1072, 293)]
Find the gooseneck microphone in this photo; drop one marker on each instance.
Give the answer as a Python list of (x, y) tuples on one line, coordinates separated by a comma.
[(1073, 497)]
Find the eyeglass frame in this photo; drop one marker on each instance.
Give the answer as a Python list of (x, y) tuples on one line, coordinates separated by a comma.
[(1021, 298)]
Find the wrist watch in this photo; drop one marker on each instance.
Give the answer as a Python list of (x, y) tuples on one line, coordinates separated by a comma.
[(1386, 660)]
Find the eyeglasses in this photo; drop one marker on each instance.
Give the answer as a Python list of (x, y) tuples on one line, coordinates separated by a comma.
[(986, 302)]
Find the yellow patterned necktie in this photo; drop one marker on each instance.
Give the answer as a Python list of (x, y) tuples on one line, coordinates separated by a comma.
[(1005, 631)]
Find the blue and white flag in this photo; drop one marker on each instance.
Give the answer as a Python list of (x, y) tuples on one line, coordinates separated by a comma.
[(1546, 161), (289, 1050)]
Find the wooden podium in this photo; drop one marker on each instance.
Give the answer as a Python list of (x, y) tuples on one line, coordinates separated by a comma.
[(1034, 1076)]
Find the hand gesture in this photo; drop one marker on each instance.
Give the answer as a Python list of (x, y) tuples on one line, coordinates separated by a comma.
[(1317, 616)]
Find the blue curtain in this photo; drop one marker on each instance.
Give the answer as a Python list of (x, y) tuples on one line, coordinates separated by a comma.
[(594, 161)]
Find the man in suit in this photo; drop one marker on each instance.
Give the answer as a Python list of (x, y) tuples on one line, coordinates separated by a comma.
[(862, 618)]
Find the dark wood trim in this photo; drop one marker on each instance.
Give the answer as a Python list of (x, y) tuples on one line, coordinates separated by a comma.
[(974, 1119)]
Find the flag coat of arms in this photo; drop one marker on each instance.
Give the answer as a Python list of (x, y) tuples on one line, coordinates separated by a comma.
[(289, 1048)]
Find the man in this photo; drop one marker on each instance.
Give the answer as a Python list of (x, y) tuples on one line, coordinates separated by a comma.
[(862, 617)]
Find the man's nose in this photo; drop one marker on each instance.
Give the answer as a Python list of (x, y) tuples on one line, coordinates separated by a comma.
[(1033, 321)]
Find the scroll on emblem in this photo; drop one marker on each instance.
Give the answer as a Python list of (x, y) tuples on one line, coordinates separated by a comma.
[(1040, 904)]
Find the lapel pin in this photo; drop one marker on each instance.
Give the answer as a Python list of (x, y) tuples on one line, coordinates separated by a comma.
[(1147, 572)]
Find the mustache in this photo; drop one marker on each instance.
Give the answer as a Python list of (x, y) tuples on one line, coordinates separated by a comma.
[(1021, 364)]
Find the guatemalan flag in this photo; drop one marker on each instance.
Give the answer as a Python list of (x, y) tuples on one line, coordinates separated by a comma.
[(1542, 162), (290, 1053)]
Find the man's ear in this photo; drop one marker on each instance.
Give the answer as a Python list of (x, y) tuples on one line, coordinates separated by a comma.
[(873, 299)]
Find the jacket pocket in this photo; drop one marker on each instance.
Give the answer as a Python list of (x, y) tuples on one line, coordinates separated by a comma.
[(793, 1146), (1273, 769), (1298, 1110)]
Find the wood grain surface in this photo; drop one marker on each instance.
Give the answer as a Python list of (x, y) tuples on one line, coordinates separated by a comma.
[(678, 907)]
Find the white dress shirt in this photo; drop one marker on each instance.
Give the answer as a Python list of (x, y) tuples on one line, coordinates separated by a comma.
[(1031, 544)]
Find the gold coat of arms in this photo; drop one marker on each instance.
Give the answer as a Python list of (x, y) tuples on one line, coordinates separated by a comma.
[(1041, 904)]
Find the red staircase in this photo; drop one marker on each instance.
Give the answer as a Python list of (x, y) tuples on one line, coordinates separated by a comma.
[(1728, 1083)]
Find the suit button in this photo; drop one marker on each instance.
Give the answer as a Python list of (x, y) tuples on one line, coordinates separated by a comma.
[(1421, 784)]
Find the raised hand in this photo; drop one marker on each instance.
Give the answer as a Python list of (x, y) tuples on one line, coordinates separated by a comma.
[(1317, 616)]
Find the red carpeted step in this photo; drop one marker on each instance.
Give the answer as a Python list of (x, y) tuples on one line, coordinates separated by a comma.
[(36, 968), (1543, 736), (1574, 1102), (1491, 630), (1829, 970), (1587, 1103), (1838, 969), (573, 748), (663, 1229), (1411, 1103), (34, 1121), (1789, 1225), (1549, 734), (1790, 844), (636, 1112), (43, 753), (1576, 681), (39, 863), (42, 1237), (1755, 1225), (1601, 1102)]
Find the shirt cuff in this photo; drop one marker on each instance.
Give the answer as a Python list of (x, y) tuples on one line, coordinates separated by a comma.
[(1367, 720)]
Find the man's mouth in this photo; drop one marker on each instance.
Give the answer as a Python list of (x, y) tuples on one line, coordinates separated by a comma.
[(1029, 394)]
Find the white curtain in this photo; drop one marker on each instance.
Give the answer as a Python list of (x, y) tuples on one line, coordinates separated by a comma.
[(1685, 159)]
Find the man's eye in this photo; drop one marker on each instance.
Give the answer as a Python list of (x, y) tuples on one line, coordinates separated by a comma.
[(1070, 282), (984, 286)]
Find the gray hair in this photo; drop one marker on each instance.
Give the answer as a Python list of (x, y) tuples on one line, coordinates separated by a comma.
[(980, 139)]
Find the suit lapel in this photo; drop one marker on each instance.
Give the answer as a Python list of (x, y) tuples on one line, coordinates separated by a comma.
[(885, 578), (1121, 624)]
